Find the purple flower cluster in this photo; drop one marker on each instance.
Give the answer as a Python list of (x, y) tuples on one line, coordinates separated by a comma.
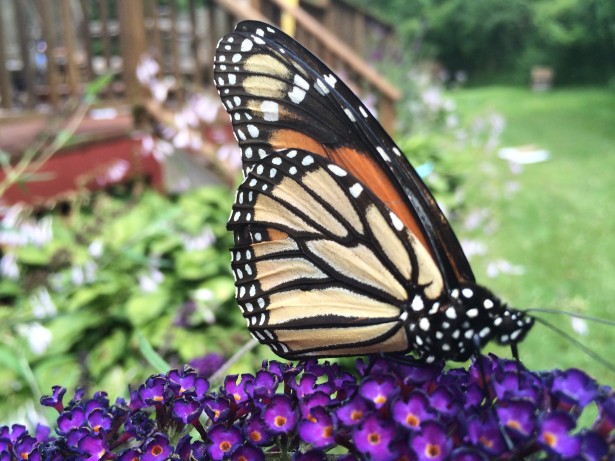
[(393, 411)]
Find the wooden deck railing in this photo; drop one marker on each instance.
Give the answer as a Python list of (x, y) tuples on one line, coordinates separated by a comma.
[(49, 49)]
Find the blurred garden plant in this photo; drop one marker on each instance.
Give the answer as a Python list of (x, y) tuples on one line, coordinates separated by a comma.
[(88, 296)]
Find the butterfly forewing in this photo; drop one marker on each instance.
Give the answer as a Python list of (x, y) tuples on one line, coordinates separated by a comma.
[(280, 96), (322, 267)]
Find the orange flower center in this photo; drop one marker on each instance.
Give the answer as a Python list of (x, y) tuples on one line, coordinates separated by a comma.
[(255, 436), (412, 420), (514, 424), (280, 421), (225, 446), (356, 415), (327, 431), (374, 438), (550, 438), (156, 450), (486, 442), (432, 451), (381, 399)]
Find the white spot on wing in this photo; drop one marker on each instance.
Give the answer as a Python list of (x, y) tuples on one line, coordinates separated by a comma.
[(396, 221), (331, 80), (336, 170), (296, 95), (383, 154), (301, 82), (350, 115), (270, 111), (424, 324), (321, 87), (253, 130), (356, 189), (417, 304), (246, 45), (307, 160)]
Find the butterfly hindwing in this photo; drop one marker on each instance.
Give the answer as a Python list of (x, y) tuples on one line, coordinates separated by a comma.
[(318, 257), (280, 96)]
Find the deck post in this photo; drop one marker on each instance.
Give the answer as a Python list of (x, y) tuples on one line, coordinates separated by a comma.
[(6, 95), (133, 45)]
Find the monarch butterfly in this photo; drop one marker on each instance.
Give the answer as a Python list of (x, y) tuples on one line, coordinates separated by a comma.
[(340, 248)]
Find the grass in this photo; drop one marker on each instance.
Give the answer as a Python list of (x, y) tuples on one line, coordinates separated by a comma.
[(560, 224)]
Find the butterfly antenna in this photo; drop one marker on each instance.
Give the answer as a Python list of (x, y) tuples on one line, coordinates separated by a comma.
[(593, 354), (571, 314)]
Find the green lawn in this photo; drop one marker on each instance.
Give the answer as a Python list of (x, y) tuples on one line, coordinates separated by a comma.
[(560, 225)]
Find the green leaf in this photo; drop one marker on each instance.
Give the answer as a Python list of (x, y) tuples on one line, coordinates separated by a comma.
[(57, 370), (108, 351), (96, 86), (88, 294), (35, 256), (69, 330), (197, 265), (9, 288), (9, 360), (222, 288), (151, 356), (141, 308)]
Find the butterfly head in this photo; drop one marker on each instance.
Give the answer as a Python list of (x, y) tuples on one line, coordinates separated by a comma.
[(468, 318)]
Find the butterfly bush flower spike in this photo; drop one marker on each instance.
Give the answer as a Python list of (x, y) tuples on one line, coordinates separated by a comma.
[(392, 411)]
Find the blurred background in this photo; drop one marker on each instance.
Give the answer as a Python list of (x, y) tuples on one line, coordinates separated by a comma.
[(118, 169)]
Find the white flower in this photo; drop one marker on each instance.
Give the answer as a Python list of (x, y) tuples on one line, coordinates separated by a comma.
[(8, 266), (38, 337), (147, 69), (199, 242), (182, 139), (118, 170), (205, 107), (473, 247), (148, 283), (502, 266), (42, 304), (96, 248), (579, 326), (203, 295)]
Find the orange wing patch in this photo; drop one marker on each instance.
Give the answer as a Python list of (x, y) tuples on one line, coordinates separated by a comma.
[(360, 165)]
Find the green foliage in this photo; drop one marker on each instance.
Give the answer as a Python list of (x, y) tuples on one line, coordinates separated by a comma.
[(119, 287), (559, 224), (501, 40)]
